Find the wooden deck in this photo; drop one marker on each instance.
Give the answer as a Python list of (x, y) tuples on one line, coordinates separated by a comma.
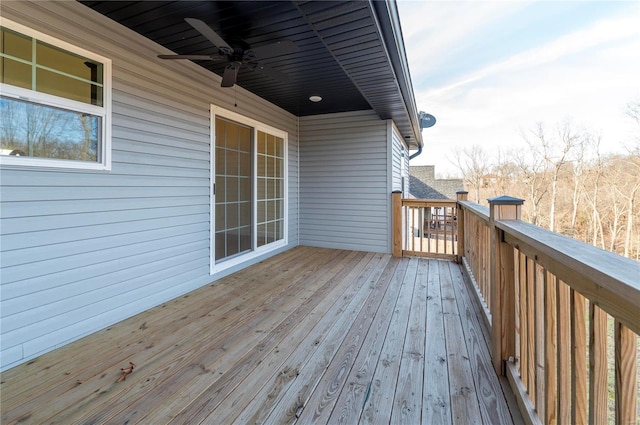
[(309, 336)]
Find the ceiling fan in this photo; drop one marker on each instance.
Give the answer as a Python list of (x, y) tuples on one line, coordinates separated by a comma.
[(237, 56)]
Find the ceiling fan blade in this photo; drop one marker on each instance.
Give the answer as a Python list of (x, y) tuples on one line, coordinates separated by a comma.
[(193, 57), (208, 32), (230, 75), (278, 48)]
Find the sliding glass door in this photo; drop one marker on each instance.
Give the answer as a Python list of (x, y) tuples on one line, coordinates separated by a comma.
[(249, 207)]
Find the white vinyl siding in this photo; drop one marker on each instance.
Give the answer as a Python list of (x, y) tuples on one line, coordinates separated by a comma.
[(400, 162), (344, 199), (81, 250)]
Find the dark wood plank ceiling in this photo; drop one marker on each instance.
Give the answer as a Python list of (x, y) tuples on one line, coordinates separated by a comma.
[(341, 54)]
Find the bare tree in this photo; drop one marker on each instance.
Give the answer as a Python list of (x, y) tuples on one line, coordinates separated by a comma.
[(532, 166), (592, 189), (506, 174), (633, 110), (9, 137), (578, 171), (631, 202), (473, 163), (632, 168), (556, 156)]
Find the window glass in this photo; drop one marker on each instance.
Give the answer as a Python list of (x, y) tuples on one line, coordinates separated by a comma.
[(58, 72), (67, 87), (30, 129), (68, 63), (16, 45), (15, 73)]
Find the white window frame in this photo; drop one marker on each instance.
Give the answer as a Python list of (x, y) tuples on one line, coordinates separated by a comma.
[(255, 251), (104, 112)]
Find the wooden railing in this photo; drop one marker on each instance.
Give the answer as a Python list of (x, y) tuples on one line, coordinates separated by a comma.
[(428, 227), (564, 316)]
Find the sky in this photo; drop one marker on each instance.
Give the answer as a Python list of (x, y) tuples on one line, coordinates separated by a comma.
[(489, 71)]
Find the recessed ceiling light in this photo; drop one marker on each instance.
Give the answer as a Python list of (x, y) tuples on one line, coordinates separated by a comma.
[(315, 98)]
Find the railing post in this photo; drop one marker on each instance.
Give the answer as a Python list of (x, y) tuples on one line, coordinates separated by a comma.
[(502, 280), (462, 196), (396, 226)]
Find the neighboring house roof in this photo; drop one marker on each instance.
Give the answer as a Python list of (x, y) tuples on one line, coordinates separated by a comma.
[(424, 185), (351, 53)]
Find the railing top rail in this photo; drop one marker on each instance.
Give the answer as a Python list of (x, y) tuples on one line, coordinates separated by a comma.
[(412, 202), (479, 211), (605, 278)]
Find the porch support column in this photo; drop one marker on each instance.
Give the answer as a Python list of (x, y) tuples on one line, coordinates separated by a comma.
[(502, 280), (396, 223), (461, 196)]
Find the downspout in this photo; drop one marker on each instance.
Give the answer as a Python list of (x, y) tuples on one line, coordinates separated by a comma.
[(426, 121), (417, 153)]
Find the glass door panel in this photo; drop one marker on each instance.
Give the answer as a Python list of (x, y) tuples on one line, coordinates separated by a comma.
[(269, 188), (233, 175)]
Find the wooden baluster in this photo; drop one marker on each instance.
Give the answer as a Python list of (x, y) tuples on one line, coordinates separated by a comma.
[(518, 308), (486, 261), (476, 245), (564, 353), (450, 240), (466, 235), (411, 241), (551, 352), (461, 225), (531, 347), (479, 259), (578, 359), (445, 233), (597, 366), (421, 227), (524, 328), (483, 264), (452, 231), (626, 375), (540, 341), (429, 218)]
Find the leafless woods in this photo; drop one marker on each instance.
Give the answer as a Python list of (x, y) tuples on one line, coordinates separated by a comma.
[(568, 184)]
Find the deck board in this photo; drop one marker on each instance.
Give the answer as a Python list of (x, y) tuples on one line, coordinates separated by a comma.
[(312, 335), (408, 397), (436, 403)]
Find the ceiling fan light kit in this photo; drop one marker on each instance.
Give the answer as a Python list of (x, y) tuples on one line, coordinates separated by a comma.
[(236, 57)]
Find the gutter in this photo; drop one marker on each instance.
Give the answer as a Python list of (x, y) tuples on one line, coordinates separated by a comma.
[(389, 24)]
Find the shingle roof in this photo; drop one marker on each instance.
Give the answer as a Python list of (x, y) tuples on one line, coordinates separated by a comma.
[(424, 185)]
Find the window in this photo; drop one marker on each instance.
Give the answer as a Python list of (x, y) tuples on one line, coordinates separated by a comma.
[(249, 203), (54, 101)]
